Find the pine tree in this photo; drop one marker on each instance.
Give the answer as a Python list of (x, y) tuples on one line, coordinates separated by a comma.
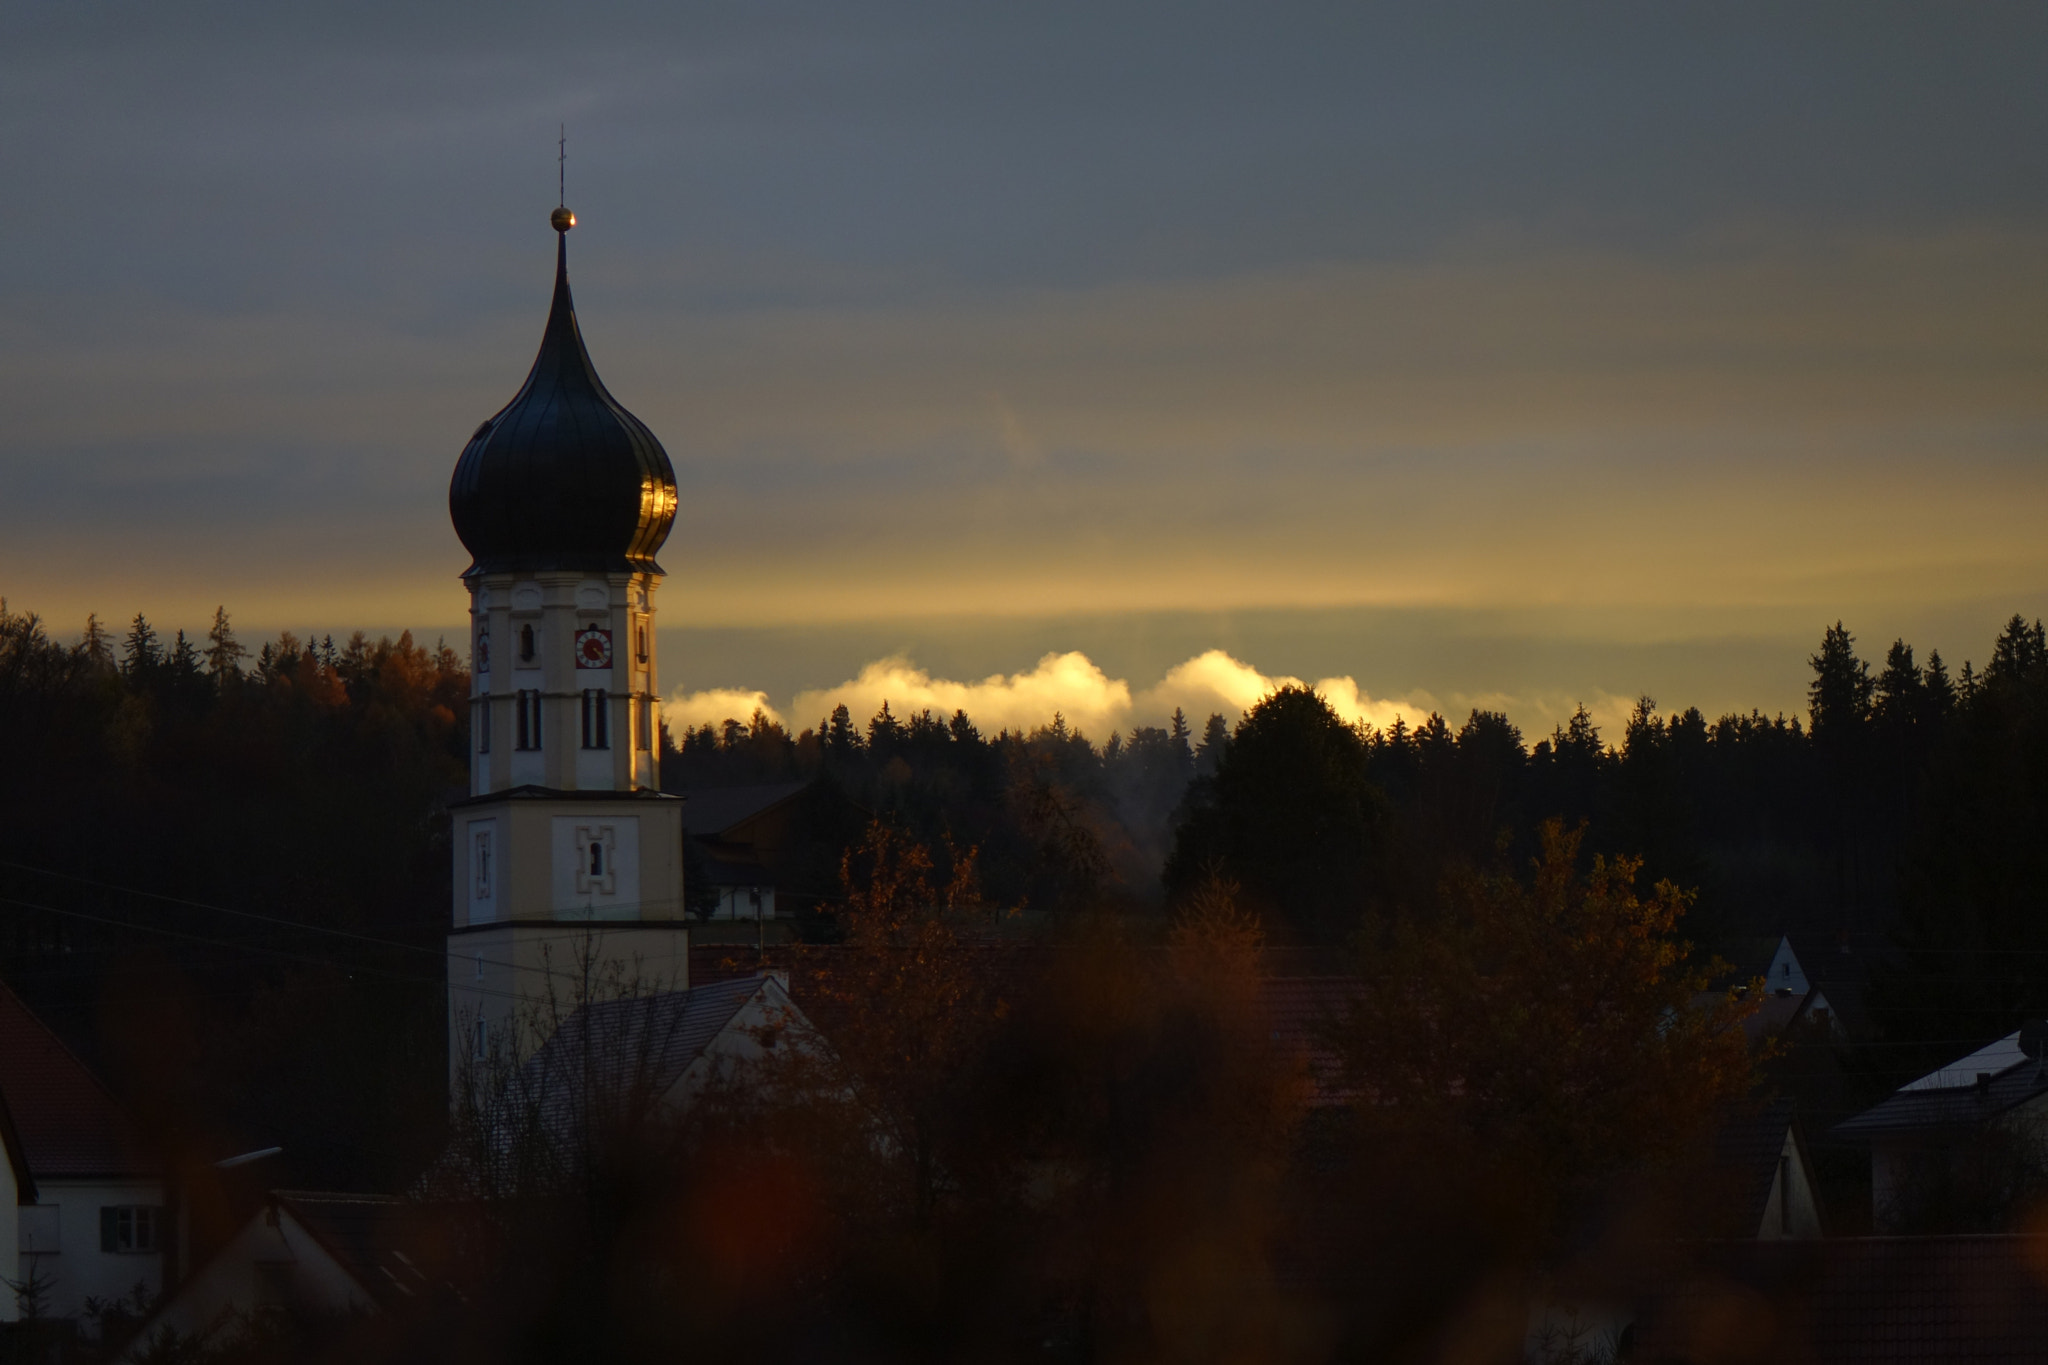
[(883, 731), (842, 741), (184, 659), (2019, 657), (1839, 698), (1177, 738), (224, 653), (1215, 741), (94, 647), (1900, 691), (139, 653), (1937, 692)]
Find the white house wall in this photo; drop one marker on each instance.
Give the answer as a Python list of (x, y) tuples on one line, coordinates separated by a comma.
[(1792, 1210), (76, 1269), (227, 1284)]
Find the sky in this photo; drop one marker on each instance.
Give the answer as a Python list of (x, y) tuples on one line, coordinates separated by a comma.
[(1097, 357)]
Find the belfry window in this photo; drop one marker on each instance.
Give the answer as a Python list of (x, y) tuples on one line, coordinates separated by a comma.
[(529, 736), (596, 859), (526, 645), (640, 642), (597, 725)]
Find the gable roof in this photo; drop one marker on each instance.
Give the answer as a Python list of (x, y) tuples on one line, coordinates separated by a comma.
[(1747, 1148), (69, 1126), (628, 1053), (711, 811), (377, 1239), (1951, 1098)]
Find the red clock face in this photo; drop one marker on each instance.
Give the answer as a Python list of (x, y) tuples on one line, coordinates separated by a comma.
[(593, 648)]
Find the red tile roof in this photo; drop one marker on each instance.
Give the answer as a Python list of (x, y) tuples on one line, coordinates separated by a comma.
[(68, 1124)]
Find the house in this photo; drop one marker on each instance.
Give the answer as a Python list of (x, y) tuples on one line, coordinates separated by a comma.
[(738, 832), (341, 1255), (643, 1057), (1934, 1136), (1818, 992), (314, 1254), (82, 1196), (1772, 1192)]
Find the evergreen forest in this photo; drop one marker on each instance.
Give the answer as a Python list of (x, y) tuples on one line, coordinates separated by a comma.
[(225, 869)]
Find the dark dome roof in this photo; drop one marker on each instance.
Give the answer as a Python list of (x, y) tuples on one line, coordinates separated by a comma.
[(563, 477)]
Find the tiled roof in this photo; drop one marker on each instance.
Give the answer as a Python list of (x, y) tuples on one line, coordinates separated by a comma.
[(1931, 1109), (392, 1248), (713, 810), (68, 1124), (1869, 1300), (629, 1052), (1748, 1148)]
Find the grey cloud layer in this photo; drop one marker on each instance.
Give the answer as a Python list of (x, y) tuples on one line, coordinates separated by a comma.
[(1073, 308)]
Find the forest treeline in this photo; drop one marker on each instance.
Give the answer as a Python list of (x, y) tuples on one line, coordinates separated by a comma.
[(200, 832), (1897, 813)]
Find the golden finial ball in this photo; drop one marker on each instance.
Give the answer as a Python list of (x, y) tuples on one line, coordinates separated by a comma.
[(562, 219)]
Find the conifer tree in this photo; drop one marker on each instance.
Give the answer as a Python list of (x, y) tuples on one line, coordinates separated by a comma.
[(1839, 698), (1900, 690), (1937, 692), (94, 647), (1215, 741), (1177, 737), (139, 650), (224, 653)]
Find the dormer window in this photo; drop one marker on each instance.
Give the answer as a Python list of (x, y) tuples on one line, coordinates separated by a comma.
[(526, 645)]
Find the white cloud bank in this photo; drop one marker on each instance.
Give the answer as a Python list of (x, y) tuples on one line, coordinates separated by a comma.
[(1070, 684)]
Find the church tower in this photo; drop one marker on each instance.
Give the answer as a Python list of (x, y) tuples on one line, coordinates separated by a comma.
[(568, 857)]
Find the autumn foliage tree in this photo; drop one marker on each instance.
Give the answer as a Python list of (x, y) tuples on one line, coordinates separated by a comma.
[(907, 1013), (1551, 1028)]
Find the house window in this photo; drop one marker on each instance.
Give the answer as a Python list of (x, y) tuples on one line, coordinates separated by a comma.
[(597, 860), (130, 1228), (528, 701), (643, 725), (597, 726), (483, 726), (526, 646), (483, 864)]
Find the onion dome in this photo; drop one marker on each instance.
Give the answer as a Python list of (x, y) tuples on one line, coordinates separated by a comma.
[(563, 478)]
